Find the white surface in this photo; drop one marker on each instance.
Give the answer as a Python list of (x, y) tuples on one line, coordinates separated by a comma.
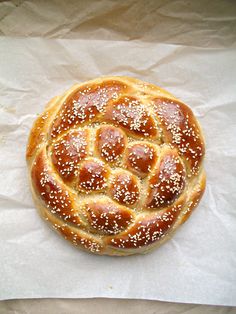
[(199, 264)]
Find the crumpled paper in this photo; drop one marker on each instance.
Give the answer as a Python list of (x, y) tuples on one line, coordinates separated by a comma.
[(198, 265)]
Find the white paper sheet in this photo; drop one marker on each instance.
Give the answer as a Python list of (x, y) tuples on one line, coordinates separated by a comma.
[(199, 264)]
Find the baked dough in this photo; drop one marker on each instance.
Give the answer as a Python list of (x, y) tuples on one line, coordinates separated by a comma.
[(116, 165)]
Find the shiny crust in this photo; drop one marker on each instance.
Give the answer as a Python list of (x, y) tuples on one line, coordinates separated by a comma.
[(167, 180), (110, 143), (116, 165), (68, 151), (141, 158)]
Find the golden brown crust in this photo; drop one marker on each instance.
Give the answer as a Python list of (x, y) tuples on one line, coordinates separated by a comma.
[(116, 165), (51, 191), (141, 158), (68, 151), (124, 188), (84, 105), (129, 113), (108, 217), (167, 181), (147, 229), (39, 130), (92, 176), (110, 142), (181, 129)]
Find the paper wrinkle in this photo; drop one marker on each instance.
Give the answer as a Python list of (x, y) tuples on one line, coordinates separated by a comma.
[(11, 203), (198, 264), (207, 24)]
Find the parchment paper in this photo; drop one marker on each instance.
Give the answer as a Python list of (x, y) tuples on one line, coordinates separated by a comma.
[(199, 264)]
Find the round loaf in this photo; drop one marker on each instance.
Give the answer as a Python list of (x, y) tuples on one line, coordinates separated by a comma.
[(116, 165)]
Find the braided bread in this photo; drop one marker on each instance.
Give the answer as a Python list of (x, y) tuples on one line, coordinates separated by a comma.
[(116, 165)]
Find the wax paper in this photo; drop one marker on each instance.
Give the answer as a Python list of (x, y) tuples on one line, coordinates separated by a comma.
[(45, 47)]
